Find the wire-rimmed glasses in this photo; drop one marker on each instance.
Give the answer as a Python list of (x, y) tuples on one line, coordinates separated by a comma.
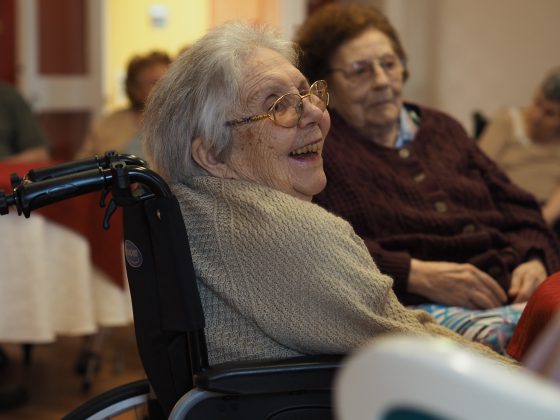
[(287, 110)]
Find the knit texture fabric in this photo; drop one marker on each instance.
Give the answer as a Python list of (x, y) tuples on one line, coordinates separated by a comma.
[(438, 199), (280, 277)]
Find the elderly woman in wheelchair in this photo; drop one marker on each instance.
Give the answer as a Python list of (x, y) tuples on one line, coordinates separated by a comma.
[(237, 132)]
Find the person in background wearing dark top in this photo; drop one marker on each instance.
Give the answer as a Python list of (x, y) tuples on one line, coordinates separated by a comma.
[(458, 238), (21, 139), (120, 130)]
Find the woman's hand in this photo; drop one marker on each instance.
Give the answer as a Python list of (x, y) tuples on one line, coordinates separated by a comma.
[(525, 279), (455, 284)]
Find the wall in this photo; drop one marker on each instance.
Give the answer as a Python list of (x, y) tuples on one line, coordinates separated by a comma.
[(476, 54), (8, 41), (257, 11), (130, 30), (463, 55)]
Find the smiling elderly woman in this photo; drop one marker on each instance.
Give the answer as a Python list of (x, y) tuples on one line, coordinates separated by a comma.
[(239, 132)]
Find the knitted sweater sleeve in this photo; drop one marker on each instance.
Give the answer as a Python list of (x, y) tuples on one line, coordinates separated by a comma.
[(523, 225), (394, 263), (300, 275), (319, 294), (290, 272)]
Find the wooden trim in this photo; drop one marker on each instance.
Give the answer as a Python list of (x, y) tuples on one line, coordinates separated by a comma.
[(62, 37), (7, 41)]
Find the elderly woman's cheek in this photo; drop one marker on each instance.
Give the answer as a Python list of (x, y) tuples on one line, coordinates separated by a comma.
[(325, 123), (260, 161)]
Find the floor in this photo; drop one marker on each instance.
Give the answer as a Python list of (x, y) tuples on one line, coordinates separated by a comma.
[(53, 386)]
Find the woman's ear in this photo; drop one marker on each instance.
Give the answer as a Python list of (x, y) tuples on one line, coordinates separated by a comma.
[(205, 158)]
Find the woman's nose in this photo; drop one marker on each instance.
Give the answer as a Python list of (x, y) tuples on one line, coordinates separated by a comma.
[(380, 76), (311, 113)]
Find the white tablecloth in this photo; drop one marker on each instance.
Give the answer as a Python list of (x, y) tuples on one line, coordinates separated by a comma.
[(48, 286)]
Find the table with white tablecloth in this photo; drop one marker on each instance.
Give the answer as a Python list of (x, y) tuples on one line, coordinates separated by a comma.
[(60, 272)]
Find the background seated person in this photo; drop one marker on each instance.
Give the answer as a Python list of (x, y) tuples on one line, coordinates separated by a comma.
[(120, 130), (239, 133), (435, 213), (21, 138), (525, 143)]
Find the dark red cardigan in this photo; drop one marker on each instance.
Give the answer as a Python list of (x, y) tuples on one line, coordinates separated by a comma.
[(439, 199)]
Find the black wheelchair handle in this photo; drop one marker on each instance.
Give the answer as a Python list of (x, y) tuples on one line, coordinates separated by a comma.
[(82, 165), (150, 179), (29, 196)]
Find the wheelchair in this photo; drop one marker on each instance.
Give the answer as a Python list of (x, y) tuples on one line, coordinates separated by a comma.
[(168, 317)]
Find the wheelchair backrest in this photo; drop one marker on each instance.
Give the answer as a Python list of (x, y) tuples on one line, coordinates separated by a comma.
[(168, 317)]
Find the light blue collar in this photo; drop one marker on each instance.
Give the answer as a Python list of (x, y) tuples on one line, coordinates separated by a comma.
[(405, 130)]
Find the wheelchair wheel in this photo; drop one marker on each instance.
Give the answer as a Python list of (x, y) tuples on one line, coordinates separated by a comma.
[(129, 397)]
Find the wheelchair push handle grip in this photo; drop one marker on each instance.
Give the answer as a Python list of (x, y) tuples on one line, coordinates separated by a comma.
[(38, 194), (29, 195), (82, 165), (62, 169)]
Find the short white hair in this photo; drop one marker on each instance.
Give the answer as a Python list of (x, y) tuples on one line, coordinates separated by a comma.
[(199, 92)]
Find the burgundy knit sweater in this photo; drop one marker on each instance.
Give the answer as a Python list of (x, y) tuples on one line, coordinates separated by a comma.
[(438, 199)]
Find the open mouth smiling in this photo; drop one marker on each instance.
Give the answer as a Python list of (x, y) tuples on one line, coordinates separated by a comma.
[(306, 151)]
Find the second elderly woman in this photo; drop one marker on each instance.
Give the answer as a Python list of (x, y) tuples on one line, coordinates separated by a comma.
[(239, 132), (435, 213)]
